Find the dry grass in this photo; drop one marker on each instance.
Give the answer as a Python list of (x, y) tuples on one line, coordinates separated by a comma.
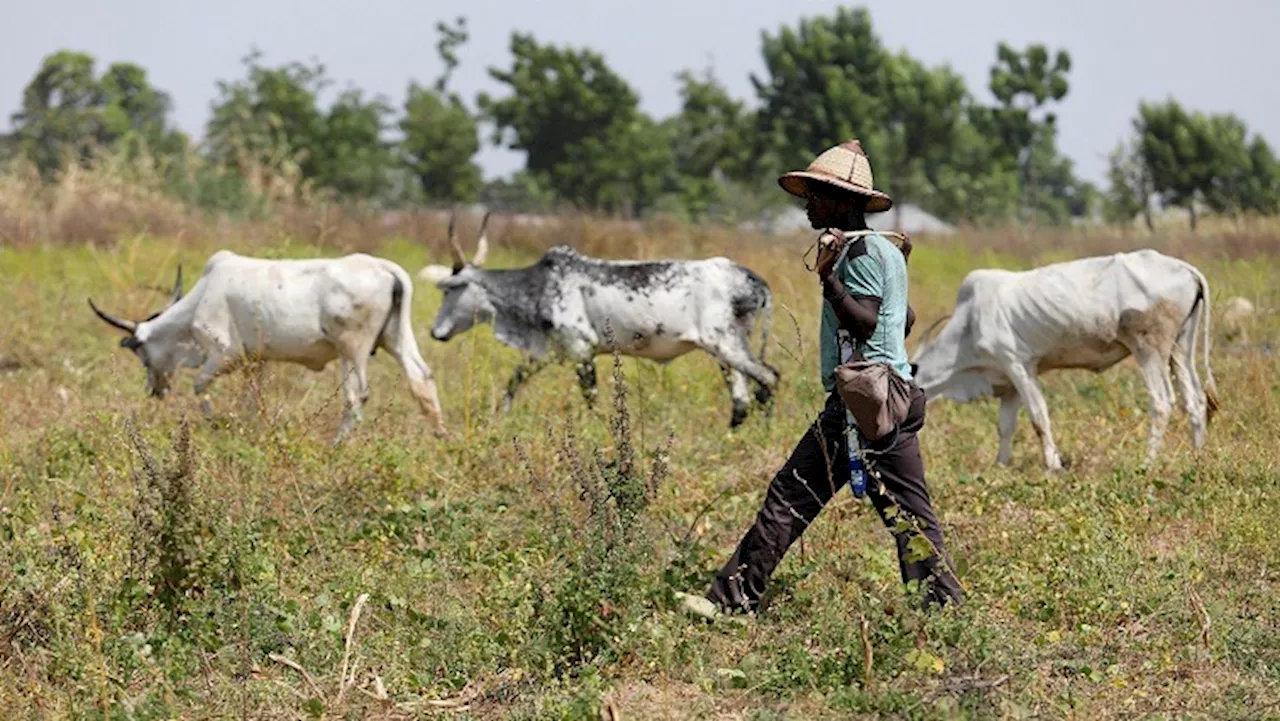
[(1106, 592)]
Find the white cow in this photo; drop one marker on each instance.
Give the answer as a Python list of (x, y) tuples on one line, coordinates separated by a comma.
[(1237, 316), (1090, 313), (308, 312)]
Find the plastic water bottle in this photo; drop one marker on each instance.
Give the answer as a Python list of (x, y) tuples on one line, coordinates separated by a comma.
[(857, 468)]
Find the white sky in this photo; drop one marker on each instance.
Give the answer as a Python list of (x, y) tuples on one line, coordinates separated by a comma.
[(1216, 57)]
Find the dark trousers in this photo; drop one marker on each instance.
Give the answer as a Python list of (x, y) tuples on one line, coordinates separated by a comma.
[(817, 468)]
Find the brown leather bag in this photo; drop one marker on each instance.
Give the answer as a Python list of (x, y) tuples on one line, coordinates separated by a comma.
[(875, 394)]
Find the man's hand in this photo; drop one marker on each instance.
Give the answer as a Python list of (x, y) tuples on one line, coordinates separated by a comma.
[(829, 245)]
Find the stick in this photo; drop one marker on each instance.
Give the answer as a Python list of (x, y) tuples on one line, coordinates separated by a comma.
[(296, 667), (351, 637), (864, 629)]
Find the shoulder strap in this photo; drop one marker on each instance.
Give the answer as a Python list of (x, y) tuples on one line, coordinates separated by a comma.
[(898, 239)]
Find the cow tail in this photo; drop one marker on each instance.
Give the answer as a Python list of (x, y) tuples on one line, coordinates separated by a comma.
[(401, 302), (1205, 309)]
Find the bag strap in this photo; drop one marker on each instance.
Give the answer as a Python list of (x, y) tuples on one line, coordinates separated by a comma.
[(898, 239)]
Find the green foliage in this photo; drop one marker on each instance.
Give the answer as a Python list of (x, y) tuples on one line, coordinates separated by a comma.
[(68, 113), (269, 119), (580, 126), (930, 142), (441, 137), (591, 609), (353, 158), (827, 78), (923, 111), (1195, 159), (713, 143), (1024, 83), (821, 86), (270, 122), (1129, 187)]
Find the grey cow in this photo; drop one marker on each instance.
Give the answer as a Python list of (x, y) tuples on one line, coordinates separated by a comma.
[(564, 306)]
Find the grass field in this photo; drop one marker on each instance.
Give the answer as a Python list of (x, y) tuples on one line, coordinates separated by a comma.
[(244, 568)]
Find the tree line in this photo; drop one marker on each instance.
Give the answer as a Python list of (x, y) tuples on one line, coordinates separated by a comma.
[(588, 144)]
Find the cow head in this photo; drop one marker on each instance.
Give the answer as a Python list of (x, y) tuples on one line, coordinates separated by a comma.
[(160, 350), (466, 302)]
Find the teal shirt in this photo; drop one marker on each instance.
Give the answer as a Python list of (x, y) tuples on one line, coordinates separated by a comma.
[(872, 266)]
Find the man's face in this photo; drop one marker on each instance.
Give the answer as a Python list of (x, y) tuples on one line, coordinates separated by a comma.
[(827, 209)]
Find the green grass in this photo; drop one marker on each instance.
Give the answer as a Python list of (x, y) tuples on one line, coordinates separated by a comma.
[(139, 581)]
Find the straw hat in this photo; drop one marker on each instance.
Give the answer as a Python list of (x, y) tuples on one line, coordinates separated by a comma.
[(845, 167)]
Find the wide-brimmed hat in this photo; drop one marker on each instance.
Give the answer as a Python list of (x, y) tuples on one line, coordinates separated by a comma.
[(844, 167)]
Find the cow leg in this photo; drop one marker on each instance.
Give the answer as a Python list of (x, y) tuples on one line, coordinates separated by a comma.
[(422, 382), (732, 350), (1027, 387), (353, 390), (210, 370), (218, 360), (739, 391), (587, 380), (1155, 371), (1189, 388), (522, 373), (1008, 420)]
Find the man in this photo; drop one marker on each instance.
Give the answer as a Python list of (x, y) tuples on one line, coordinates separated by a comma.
[(864, 315)]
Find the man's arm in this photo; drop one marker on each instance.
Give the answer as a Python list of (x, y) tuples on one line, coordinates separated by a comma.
[(858, 315)]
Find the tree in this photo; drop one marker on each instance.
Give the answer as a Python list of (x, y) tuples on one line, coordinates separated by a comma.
[(973, 183), (68, 112), (712, 141), (923, 109), (1023, 84), (821, 86), (270, 119), (441, 137), (351, 157), (1129, 187), (271, 122), (1174, 151), (580, 126), (1261, 192), (831, 79), (440, 142)]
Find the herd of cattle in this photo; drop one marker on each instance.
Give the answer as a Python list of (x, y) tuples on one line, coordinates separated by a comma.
[(1007, 327)]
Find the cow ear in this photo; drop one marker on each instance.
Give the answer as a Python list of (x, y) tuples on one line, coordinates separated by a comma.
[(131, 342), (434, 273)]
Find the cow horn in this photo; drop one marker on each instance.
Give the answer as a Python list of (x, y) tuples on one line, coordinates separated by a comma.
[(928, 334), (482, 245), (177, 287), (459, 258), (125, 325)]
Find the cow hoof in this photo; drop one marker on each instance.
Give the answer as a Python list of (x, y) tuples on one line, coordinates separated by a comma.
[(763, 396), (739, 416)]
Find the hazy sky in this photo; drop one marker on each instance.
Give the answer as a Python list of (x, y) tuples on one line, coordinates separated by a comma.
[(1218, 56)]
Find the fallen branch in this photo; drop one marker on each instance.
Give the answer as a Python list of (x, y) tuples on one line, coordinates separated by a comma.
[(1205, 621), (864, 629), (344, 681), (297, 667)]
